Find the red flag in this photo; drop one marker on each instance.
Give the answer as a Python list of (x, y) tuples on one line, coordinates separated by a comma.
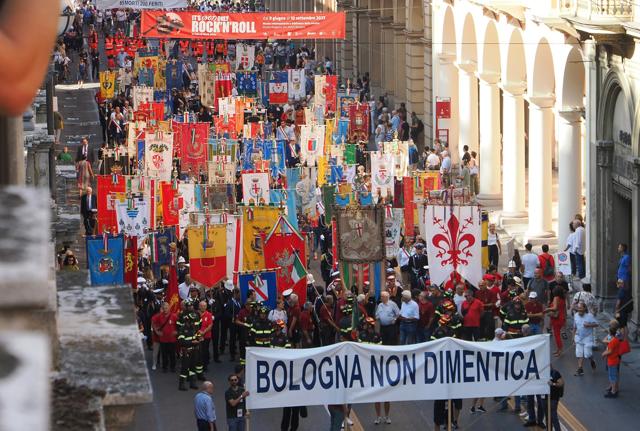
[(358, 122), (331, 92), (334, 243), (194, 146), (171, 204), (407, 183), (131, 261), (223, 86), (280, 252), (172, 295), (225, 124), (109, 186)]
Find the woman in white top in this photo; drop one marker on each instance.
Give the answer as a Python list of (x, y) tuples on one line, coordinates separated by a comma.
[(493, 243), (570, 247), (278, 313)]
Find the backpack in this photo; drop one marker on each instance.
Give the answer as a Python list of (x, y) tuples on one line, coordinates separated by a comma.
[(548, 270)]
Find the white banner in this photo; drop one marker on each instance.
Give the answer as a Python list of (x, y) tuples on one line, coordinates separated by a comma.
[(140, 4), (319, 98), (187, 192), (382, 169), (296, 84), (133, 220), (311, 144), (454, 242), (245, 56), (141, 95), (444, 369), (158, 155), (392, 227), (563, 262), (255, 188)]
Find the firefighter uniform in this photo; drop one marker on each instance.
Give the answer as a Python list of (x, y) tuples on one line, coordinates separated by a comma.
[(367, 334), (261, 330), (279, 337), (513, 317), (346, 324), (189, 337), (443, 329)]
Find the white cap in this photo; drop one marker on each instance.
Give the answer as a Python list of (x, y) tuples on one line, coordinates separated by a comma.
[(533, 295), (181, 260), (499, 331), (310, 279), (228, 284), (287, 292), (518, 281), (141, 280)]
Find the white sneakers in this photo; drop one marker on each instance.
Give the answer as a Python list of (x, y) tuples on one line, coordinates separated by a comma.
[(381, 419)]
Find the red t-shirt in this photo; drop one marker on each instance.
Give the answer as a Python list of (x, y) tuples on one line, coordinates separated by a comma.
[(207, 319), (168, 329), (291, 313), (487, 296), (305, 321), (426, 311), (613, 359), (534, 307), (542, 259), (243, 314), (472, 312)]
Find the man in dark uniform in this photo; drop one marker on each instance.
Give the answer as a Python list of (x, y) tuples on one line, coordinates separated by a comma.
[(514, 317), (367, 334), (346, 323), (444, 329), (261, 329), (189, 338), (244, 321), (417, 263), (279, 337), (290, 415)]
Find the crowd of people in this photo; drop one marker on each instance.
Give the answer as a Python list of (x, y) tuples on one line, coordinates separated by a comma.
[(531, 297)]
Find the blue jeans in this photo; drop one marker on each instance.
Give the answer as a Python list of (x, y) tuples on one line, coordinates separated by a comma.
[(535, 328), (235, 424), (580, 269), (408, 332), (554, 414), (423, 334)]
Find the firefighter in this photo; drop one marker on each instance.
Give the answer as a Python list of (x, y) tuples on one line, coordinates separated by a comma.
[(514, 316), (279, 337), (443, 329), (189, 338), (368, 334), (261, 329), (346, 323)]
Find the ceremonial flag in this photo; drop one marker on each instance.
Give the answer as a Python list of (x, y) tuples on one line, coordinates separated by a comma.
[(110, 189), (158, 155), (106, 264), (208, 254), (160, 245), (135, 132), (131, 261), (141, 95), (329, 200), (160, 77), (392, 228), (344, 101), (278, 89), (263, 92), (359, 122), (453, 235), (282, 247), (187, 194), (245, 56), (382, 174), (319, 95), (263, 283), (173, 75), (330, 90), (133, 217), (195, 148), (247, 83), (146, 76), (337, 174), (208, 89), (223, 85), (172, 294), (221, 170), (225, 126), (431, 182), (408, 206), (323, 166), (311, 144), (107, 84), (296, 84), (350, 154), (255, 188), (256, 222), (171, 204), (341, 134)]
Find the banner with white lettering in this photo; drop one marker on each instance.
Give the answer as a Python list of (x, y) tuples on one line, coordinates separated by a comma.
[(364, 373), (141, 4)]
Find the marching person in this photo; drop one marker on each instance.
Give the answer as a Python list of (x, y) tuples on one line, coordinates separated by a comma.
[(189, 338), (204, 409), (235, 402), (164, 326)]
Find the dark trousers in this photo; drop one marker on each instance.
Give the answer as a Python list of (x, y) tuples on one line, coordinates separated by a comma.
[(532, 401), (290, 419), (204, 425), (471, 333), (389, 335), (168, 355), (215, 338), (494, 256), (191, 364), (243, 337), (204, 352)]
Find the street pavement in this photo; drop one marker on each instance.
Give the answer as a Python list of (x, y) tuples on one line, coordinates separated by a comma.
[(583, 406)]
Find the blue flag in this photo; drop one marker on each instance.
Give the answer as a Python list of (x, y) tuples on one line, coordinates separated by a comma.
[(146, 77), (263, 283), (106, 266), (337, 172), (275, 151), (247, 83), (263, 92), (340, 133), (174, 75), (162, 241), (292, 213)]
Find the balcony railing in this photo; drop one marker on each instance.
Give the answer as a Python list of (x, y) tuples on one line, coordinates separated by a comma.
[(597, 9)]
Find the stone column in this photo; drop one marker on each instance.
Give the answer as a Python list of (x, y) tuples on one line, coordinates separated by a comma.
[(468, 107), (541, 126), (427, 117), (399, 41), (414, 66), (447, 87), (604, 212), (388, 58), (489, 153), (375, 56), (569, 172), (12, 168), (513, 172)]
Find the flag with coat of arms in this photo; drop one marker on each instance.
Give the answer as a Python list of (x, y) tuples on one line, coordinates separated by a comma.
[(263, 283)]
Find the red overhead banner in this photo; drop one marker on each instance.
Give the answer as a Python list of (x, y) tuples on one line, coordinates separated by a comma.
[(209, 25)]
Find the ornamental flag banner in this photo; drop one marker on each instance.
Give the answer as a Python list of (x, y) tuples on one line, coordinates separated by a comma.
[(454, 243), (392, 228), (158, 155), (106, 264), (171, 204), (281, 251), (255, 188), (348, 372), (110, 189), (245, 56), (296, 84), (133, 217), (131, 261), (208, 254), (360, 234), (141, 95), (278, 91), (318, 92), (194, 147), (359, 122), (256, 222), (382, 178), (311, 144), (263, 283), (227, 26), (188, 200), (107, 84)]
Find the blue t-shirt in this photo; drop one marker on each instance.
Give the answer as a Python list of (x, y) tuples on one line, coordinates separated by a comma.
[(624, 268)]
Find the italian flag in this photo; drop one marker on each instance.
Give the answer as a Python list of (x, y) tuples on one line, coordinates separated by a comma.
[(298, 272)]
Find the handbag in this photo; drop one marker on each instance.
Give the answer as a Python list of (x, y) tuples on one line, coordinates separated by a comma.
[(624, 347)]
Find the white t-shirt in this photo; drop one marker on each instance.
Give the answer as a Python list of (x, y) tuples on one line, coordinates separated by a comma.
[(530, 262), (433, 160), (578, 242), (583, 335), (571, 242), (275, 315), (492, 238), (458, 300)]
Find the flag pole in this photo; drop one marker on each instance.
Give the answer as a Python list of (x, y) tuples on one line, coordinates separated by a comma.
[(449, 416)]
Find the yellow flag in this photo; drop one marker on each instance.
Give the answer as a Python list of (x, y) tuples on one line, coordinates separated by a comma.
[(107, 84), (323, 165), (208, 254), (256, 223), (159, 78), (330, 125)]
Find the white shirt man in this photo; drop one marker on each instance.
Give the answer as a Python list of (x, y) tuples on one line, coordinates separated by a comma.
[(183, 288), (583, 326), (409, 309), (433, 160), (578, 240), (445, 168), (530, 262)]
